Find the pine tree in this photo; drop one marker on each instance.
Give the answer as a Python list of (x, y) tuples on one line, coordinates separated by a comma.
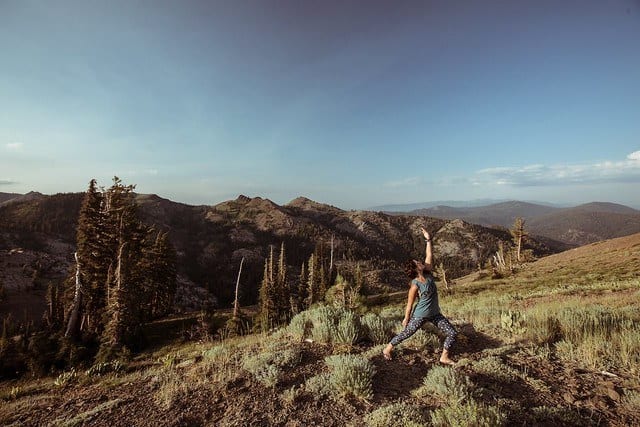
[(88, 300), (268, 296), (302, 289), (128, 299)]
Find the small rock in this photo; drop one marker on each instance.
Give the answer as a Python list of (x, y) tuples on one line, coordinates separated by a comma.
[(613, 395), (186, 363)]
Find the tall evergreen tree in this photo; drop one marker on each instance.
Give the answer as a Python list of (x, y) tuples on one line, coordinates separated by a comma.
[(301, 289), (123, 275), (92, 254), (268, 296)]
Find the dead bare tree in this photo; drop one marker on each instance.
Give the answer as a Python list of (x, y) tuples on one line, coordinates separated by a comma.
[(518, 233), (331, 258), (236, 305), (74, 318), (442, 273)]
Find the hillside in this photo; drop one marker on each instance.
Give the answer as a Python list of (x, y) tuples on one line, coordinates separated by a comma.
[(574, 226), (211, 240), (556, 344), (587, 223), (8, 196)]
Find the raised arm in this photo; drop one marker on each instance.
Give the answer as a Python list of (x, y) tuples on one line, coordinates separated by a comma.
[(428, 255)]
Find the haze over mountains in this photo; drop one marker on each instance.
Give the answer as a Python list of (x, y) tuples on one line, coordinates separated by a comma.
[(578, 225)]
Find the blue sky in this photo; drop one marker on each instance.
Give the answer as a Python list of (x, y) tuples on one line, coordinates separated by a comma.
[(355, 104)]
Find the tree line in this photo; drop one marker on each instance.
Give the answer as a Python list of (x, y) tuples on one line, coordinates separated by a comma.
[(124, 276)]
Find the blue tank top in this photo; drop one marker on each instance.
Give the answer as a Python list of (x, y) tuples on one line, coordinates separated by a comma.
[(427, 305)]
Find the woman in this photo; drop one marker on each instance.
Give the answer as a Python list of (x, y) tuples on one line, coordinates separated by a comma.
[(427, 308)]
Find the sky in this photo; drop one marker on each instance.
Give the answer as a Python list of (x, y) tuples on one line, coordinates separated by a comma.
[(350, 103)]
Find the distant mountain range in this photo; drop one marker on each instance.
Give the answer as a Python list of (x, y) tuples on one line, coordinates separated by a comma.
[(577, 225), (409, 207), (573, 226)]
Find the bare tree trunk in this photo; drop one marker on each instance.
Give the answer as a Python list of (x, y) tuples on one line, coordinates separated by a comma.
[(442, 272), (74, 318), (331, 259), (236, 305)]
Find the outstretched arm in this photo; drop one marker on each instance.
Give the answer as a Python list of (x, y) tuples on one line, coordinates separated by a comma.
[(428, 255)]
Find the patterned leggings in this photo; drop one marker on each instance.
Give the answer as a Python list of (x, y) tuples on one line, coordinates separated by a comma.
[(416, 322)]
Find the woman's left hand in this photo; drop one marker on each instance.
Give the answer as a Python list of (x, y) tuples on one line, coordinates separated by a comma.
[(425, 233)]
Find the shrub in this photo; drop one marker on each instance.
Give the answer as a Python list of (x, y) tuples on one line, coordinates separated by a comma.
[(423, 340), (446, 384), (66, 378), (496, 368), (351, 375), (218, 353), (172, 387), (546, 330), (329, 325), (102, 368), (558, 416), (262, 369), (267, 367), (219, 364), (169, 360), (299, 325), (397, 415), (513, 322), (631, 399), (348, 329), (375, 328), (290, 395), (319, 386), (468, 414)]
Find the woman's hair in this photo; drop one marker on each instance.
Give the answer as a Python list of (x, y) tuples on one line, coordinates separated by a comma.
[(411, 269)]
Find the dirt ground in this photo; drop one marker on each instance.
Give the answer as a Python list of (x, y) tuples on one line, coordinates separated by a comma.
[(591, 398)]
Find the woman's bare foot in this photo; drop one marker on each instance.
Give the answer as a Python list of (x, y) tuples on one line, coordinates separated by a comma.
[(444, 358), (387, 352)]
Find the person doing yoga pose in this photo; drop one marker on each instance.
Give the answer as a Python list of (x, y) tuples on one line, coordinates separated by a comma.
[(427, 309)]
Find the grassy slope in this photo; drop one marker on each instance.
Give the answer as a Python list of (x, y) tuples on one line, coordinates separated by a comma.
[(573, 315)]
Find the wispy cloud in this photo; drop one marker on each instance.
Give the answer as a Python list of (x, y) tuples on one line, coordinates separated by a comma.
[(7, 182), (14, 146), (634, 156), (624, 171)]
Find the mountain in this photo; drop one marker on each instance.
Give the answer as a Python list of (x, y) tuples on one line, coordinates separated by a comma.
[(408, 207), (502, 214), (577, 225), (8, 196), (587, 223), (211, 240), (32, 195)]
